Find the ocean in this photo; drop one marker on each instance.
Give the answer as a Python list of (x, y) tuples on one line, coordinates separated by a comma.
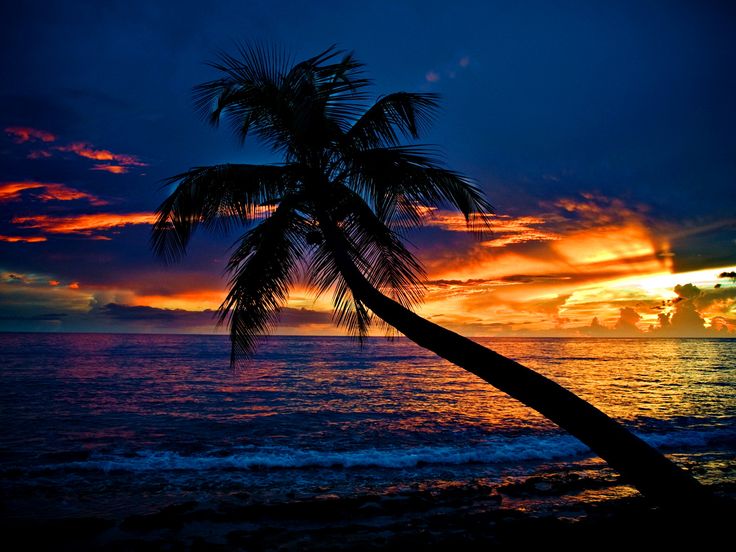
[(117, 425)]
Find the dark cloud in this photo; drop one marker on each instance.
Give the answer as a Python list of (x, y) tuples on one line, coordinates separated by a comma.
[(627, 320), (532, 278), (551, 308), (684, 320), (472, 282), (707, 298), (703, 244), (177, 318), (145, 314), (302, 317), (625, 326), (46, 317)]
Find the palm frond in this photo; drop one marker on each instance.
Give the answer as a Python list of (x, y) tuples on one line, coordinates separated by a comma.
[(397, 115), (326, 95), (325, 80), (343, 88), (403, 183), (215, 197), (258, 68), (379, 255), (285, 107), (384, 260), (250, 93), (260, 107), (323, 274), (262, 268)]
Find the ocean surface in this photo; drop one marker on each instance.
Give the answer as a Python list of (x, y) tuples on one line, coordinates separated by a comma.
[(114, 425)]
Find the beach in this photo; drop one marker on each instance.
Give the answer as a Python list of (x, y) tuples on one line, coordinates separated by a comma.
[(471, 516)]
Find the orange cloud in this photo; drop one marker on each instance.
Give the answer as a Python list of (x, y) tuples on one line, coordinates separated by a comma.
[(607, 243), (190, 300), (527, 290), (613, 273), (11, 190), (199, 291), (546, 272), (114, 169), (26, 239), (115, 163), (86, 150), (20, 135), (505, 229), (54, 283), (86, 225), (510, 230), (51, 192)]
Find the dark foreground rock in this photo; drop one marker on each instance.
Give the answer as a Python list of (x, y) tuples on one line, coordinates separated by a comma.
[(467, 517)]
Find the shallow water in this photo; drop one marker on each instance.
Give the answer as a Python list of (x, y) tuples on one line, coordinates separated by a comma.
[(110, 425)]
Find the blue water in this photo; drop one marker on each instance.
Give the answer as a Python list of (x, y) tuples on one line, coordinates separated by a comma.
[(97, 424)]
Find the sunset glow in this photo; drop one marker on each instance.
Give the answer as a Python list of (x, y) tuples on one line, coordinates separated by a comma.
[(594, 232), (88, 151), (577, 266), (113, 169), (26, 239), (21, 135), (47, 191), (85, 225)]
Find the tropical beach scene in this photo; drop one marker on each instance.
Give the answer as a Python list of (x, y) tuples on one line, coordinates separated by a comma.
[(335, 276)]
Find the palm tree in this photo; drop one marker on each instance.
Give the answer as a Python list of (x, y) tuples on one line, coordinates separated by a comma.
[(334, 211)]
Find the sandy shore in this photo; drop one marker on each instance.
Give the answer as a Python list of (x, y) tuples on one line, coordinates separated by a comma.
[(469, 516)]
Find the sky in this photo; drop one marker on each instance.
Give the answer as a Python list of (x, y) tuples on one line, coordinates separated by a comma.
[(602, 133)]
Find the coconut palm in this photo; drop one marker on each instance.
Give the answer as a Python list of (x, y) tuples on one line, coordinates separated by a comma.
[(333, 213)]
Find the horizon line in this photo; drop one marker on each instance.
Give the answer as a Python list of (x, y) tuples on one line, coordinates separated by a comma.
[(371, 337)]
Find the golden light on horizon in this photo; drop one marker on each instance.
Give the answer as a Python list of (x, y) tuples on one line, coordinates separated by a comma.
[(541, 275), (190, 301), (601, 245)]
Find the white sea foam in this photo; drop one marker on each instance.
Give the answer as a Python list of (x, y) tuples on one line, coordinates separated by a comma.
[(500, 450)]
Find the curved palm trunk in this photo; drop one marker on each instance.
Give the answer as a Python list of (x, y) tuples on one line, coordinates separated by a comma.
[(641, 465)]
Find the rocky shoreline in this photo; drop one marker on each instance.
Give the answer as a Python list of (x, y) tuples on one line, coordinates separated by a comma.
[(537, 511)]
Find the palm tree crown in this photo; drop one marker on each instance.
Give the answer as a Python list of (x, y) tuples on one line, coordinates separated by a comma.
[(345, 171)]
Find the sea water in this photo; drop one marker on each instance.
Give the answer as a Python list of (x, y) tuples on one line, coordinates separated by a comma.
[(110, 425)]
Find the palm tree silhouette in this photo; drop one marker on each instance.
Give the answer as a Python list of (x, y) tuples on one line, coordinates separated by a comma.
[(334, 212)]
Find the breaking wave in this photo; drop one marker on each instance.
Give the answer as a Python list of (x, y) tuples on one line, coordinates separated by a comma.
[(499, 450)]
